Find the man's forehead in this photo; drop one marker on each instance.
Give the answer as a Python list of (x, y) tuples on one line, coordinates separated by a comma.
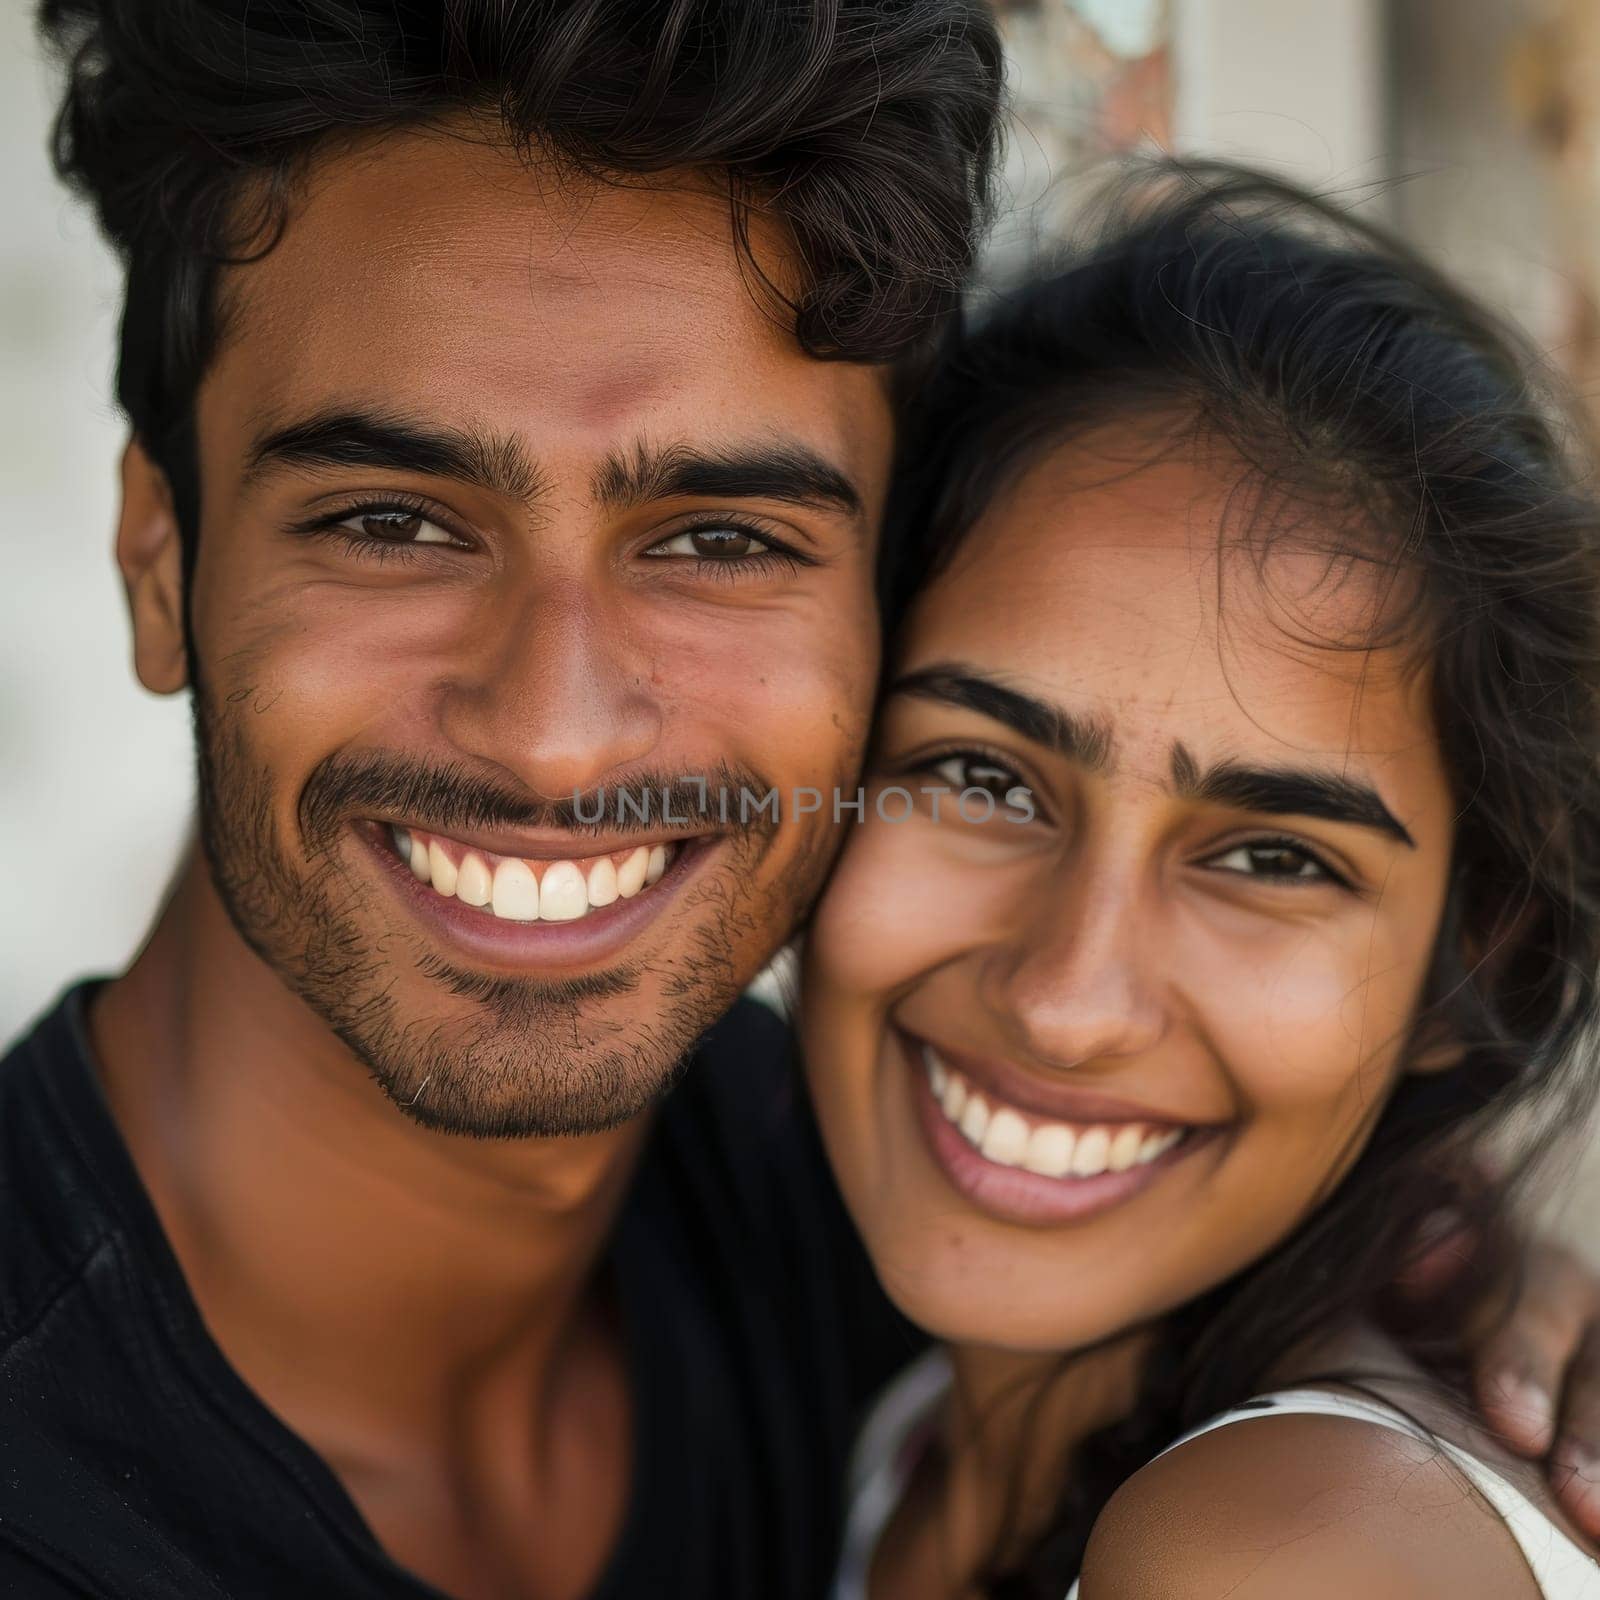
[(452, 275), (417, 224)]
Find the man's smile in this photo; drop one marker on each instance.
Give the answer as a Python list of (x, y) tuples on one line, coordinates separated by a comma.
[(532, 889), (534, 911)]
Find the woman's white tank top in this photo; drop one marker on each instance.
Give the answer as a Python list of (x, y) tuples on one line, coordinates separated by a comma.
[(887, 1450)]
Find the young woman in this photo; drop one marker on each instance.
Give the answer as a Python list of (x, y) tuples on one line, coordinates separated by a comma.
[(1232, 875)]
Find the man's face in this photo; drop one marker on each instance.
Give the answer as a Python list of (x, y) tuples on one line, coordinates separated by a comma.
[(512, 492)]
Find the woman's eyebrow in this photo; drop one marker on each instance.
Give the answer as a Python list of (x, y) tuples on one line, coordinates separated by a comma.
[(1079, 739), (1290, 791)]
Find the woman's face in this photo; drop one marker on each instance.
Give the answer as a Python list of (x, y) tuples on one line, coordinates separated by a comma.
[(1074, 1070)]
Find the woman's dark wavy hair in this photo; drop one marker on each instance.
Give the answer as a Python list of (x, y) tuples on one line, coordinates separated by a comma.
[(1348, 375), (868, 128)]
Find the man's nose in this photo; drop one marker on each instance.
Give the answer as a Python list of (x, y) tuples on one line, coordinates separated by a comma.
[(560, 692), (1079, 981)]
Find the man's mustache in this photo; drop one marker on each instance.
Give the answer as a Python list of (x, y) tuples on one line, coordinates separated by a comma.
[(452, 797)]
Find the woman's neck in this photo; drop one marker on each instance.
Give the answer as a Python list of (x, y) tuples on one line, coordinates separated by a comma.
[(1010, 1426)]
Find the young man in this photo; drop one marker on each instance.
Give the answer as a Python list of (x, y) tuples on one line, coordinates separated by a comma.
[(511, 420)]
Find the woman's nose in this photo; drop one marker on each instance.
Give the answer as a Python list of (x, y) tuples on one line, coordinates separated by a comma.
[(1081, 982)]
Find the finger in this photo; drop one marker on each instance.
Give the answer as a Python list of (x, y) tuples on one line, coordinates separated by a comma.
[(1522, 1366), (1516, 1401), (1575, 1477), (1575, 1461)]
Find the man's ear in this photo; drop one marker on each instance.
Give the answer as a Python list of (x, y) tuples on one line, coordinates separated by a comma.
[(150, 556)]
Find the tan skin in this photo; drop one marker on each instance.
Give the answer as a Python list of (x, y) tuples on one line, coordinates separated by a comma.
[(425, 1310), (1244, 969), (470, 1393)]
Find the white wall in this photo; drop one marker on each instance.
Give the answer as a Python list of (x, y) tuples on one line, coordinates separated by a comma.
[(1292, 84), (95, 775)]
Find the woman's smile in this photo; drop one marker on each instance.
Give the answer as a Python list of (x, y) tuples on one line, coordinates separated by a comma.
[(1032, 1153)]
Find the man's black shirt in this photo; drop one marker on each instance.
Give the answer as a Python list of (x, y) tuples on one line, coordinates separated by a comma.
[(134, 1462)]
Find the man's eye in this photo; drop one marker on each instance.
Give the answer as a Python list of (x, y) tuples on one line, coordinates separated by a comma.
[(1275, 859), (397, 526), (712, 544)]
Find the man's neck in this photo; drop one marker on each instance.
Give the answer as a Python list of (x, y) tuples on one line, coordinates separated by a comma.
[(395, 1293)]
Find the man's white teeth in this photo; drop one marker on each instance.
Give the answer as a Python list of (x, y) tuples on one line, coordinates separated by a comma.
[(563, 893), (630, 875), (1051, 1149), (566, 891), (474, 881), (441, 869), (602, 882), (516, 892)]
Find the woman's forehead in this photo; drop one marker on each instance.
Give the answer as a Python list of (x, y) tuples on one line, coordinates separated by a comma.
[(1150, 590)]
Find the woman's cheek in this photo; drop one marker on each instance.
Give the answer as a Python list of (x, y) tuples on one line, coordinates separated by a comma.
[(1310, 1017), (893, 907)]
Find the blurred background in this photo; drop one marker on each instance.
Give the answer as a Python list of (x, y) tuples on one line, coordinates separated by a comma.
[(1471, 125)]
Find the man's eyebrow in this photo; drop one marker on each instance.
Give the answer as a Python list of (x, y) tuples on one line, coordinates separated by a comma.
[(1287, 791), (787, 471), (1078, 738), (344, 437)]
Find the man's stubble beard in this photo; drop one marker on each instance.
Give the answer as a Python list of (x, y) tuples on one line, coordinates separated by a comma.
[(525, 1057)]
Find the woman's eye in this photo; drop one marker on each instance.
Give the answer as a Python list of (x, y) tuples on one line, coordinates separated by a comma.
[(712, 544), (1272, 860), (397, 526), (970, 772)]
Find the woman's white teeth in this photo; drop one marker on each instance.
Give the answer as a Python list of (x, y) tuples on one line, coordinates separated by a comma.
[(975, 1120), (1051, 1149), (1124, 1150), (1006, 1139), (954, 1097), (566, 890), (1089, 1158)]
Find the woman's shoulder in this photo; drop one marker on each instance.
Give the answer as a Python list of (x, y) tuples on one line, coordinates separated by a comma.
[(1310, 1503)]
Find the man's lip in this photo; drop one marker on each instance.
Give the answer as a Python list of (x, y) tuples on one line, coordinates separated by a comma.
[(1006, 1082), (542, 845), (476, 938)]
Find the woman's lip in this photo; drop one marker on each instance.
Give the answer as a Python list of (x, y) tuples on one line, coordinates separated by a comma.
[(1015, 1087), (1012, 1194), (469, 934)]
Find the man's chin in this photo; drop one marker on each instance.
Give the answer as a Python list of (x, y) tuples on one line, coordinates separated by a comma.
[(517, 1059)]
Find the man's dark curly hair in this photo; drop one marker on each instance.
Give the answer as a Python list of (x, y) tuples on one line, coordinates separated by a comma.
[(868, 128)]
